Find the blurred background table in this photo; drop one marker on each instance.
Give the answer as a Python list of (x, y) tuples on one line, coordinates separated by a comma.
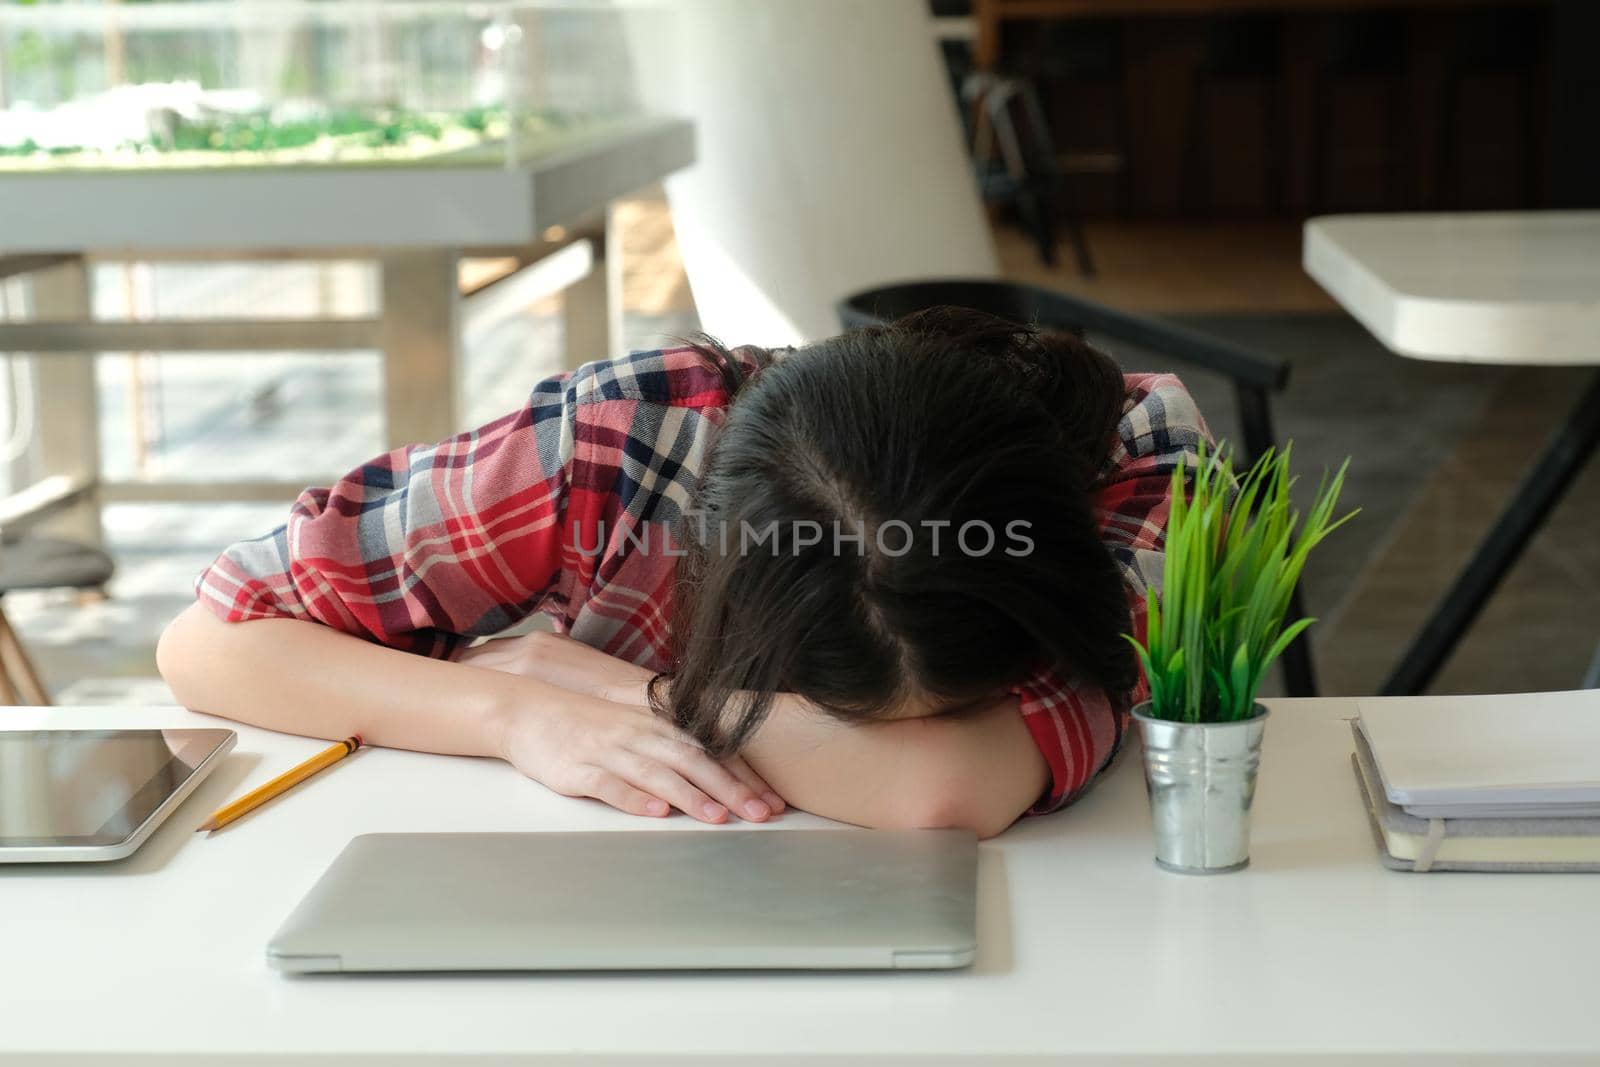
[(450, 241), (1493, 288)]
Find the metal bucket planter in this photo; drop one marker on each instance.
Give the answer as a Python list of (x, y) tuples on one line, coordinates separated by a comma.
[(1201, 778)]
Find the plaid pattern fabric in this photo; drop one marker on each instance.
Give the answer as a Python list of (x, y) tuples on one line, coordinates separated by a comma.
[(553, 508), (1077, 728)]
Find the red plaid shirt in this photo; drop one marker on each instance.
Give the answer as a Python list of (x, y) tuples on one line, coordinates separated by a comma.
[(427, 547)]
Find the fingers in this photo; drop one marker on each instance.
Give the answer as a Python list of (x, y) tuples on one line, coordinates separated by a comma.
[(641, 788), (629, 694), (610, 789), (660, 780), (641, 764), (563, 662), (726, 788), (736, 766), (746, 774)]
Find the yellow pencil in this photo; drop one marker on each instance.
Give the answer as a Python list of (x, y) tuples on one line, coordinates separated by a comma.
[(281, 784)]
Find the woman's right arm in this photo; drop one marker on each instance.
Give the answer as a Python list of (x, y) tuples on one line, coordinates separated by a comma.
[(309, 679), (303, 678), (344, 620)]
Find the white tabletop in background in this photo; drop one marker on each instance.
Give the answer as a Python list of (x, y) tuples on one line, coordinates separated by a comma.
[(1521, 287), (1086, 948), (310, 208)]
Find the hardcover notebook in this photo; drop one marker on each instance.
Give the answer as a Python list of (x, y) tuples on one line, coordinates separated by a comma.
[(1408, 843), (1509, 756)]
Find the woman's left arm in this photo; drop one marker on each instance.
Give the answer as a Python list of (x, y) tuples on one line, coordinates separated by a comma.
[(986, 767), (979, 769)]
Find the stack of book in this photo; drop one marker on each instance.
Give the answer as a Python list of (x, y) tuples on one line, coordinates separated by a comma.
[(1483, 783)]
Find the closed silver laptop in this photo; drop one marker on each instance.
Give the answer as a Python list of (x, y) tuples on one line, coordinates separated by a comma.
[(639, 900)]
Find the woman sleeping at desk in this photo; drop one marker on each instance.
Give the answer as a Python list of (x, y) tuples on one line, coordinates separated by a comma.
[(883, 578)]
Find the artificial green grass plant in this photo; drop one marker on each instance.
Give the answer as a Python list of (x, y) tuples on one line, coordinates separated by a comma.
[(1233, 558)]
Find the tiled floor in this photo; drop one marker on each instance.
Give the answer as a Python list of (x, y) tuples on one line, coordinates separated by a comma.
[(1173, 268), (1435, 449), (1540, 630)]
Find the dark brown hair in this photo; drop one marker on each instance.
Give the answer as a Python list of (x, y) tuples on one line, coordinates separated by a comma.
[(946, 416)]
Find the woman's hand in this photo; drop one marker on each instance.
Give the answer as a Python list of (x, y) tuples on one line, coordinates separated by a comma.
[(607, 744), (563, 662)]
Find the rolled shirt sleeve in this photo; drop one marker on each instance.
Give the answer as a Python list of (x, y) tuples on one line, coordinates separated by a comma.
[(422, 547)]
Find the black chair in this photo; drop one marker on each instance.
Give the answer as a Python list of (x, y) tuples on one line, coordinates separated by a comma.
[(1240, 50), (40, 563), (1084, 56), (1015, 160), (1254, 376), (1008, 138)]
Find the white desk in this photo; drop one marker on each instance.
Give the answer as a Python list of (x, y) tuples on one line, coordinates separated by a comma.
[(1087, 950), (1520, 288)]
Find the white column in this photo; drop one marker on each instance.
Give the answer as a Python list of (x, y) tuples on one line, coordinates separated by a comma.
[(830, 159)]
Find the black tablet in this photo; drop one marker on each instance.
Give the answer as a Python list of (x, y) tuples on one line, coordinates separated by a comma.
[(86, 795)]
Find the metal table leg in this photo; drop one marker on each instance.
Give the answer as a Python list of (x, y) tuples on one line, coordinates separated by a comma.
[(592, 306), (420, 337), (1562, 460), (69, 423)]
